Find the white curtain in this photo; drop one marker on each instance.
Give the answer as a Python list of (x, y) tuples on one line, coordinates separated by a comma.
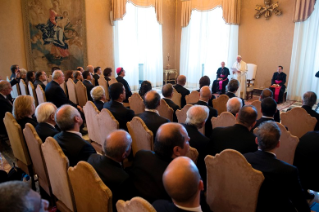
[(305, 58), (206, 42), (138, 43)]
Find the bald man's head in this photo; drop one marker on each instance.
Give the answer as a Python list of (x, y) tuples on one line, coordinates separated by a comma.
[(182, 181), (234, 105), (205, 93), (90, 68), (167, 90), (5, 87), (247, 116), (118, 145), (171, 140), (181, 80), (152, 100), (265, 94), (66, 117)]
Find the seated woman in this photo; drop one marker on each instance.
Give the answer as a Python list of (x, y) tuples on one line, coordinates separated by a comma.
[(205, 81), (146, 86), (98, 96), (222, 80), (278, 84), (23, 110)]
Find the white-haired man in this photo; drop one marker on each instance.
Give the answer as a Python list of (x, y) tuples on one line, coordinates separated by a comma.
[(46, 124), (196, 118), (70, 139), (239, 70), (234, 105), (98, 96)]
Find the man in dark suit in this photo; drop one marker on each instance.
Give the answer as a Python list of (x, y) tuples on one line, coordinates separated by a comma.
[(306, 160), (196, 118), (120, 78), (98, 96), (77, 75), (268, 109), (232, 88), (183, 184), (205, 96), (281, 189), (268, 93), (70, 139), (54, 92), (148, 167), (115, 106), (96, 76), (150, 116), (234, 105), (181, 81), (40, 77), (6, 104), (309, 100), (238, 137), (167, 92), (46, 123), (87, 77), (117, 147)]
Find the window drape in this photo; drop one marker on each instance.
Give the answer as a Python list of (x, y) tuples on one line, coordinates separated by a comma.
[(119, 8), (303, 9), (206, 42), (304, 59), (231, 9), (138, 44)]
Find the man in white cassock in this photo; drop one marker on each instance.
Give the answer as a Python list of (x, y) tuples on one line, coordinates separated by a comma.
[(239, 69)]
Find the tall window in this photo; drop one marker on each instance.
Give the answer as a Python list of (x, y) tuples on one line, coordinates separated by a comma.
[(138, 46), (206, 42), (304, 58)]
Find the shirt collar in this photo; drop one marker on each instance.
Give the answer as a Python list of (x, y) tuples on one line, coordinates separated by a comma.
[(267, 117), (4, 96), (88, 81), (75, 132), (203, 101), (268, 152), (152, 110), (118, 102), (196, 209), (53, 125)]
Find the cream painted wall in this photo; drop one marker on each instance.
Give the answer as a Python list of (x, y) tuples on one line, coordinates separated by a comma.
[(11, 34), (267, 43)]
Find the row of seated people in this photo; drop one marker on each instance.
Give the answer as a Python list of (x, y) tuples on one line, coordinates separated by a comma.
[(281, 186)]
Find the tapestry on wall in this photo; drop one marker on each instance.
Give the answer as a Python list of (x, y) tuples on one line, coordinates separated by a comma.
[(55, 34)]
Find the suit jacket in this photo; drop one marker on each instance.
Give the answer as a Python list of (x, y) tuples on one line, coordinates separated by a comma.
[(166, 206), (277, 116), (306, 157), (120, 113), (313, 113), (126, 86), (45, 130), (114, 177), (153, 121), (235, 137), (74, 147), (173, 106), (199, 142), (146, 172), (6, 106), (99, 104), (96, 77), (89, 87), (281, 189), (231, 95), (25, 120), (208, 124), (38, 82), (55, 94), (180, 89)]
